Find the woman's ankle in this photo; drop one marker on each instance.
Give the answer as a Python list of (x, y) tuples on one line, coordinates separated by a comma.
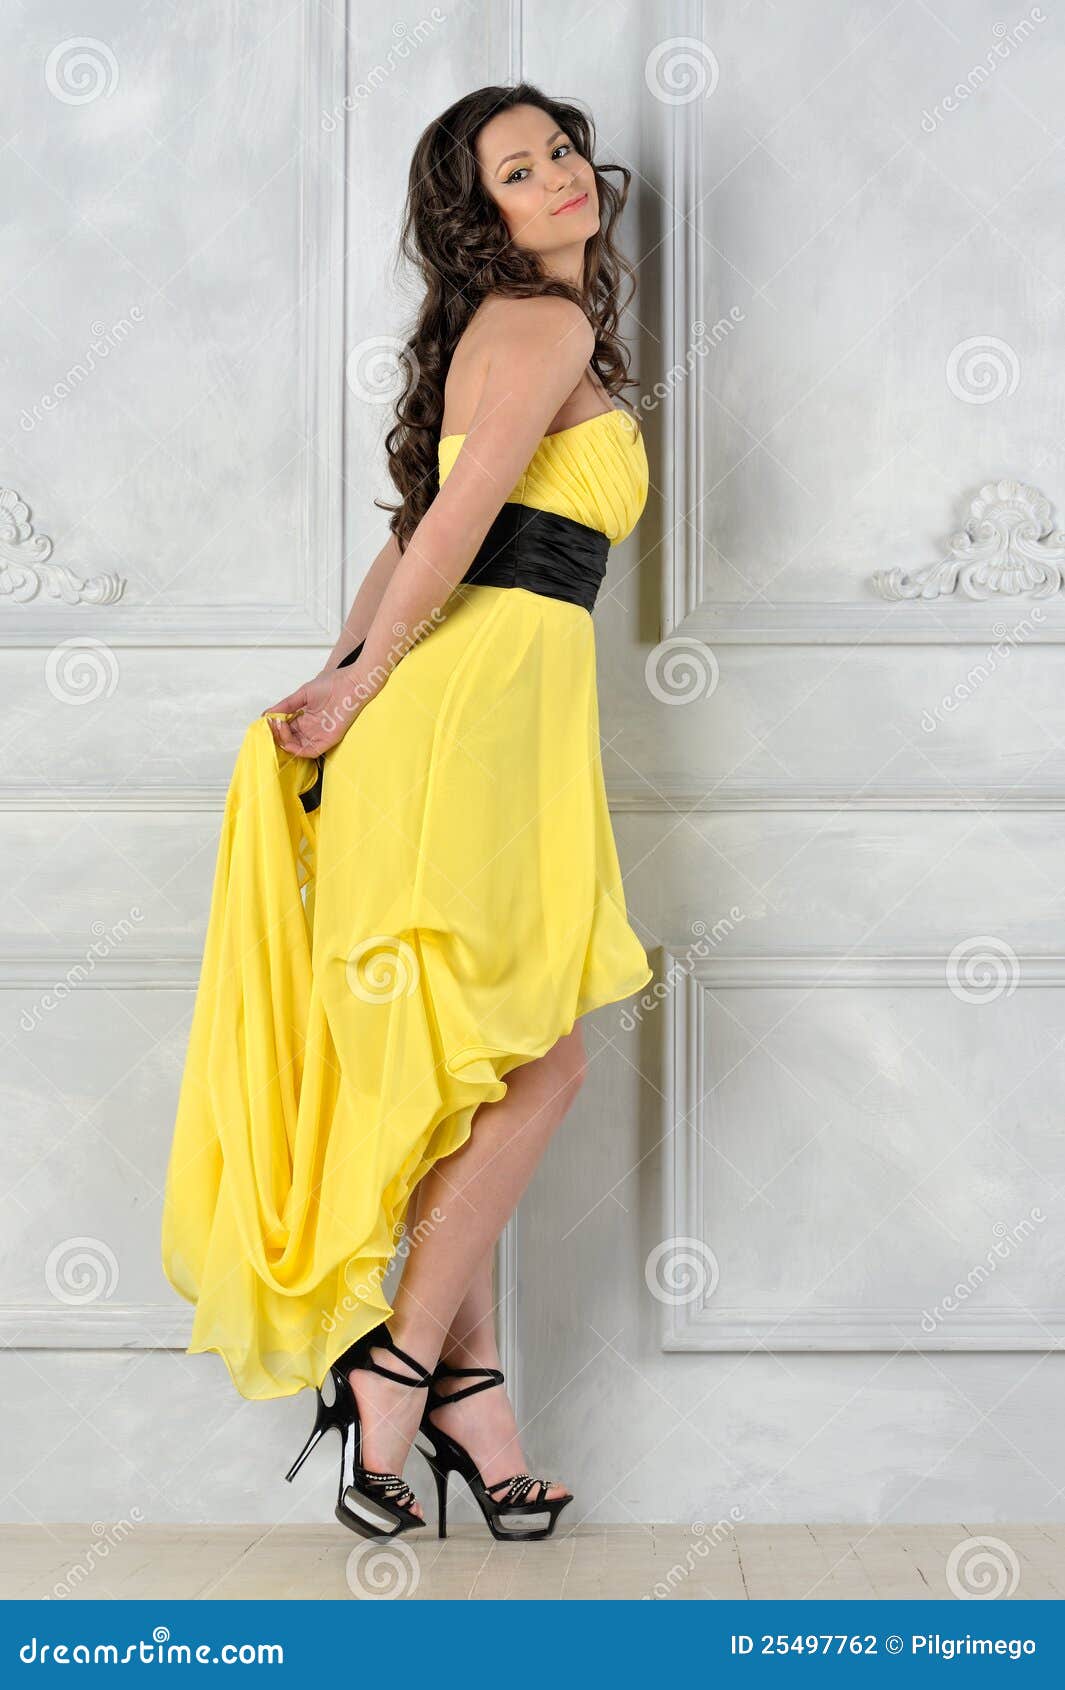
[(483, 1356), (416, 1340)]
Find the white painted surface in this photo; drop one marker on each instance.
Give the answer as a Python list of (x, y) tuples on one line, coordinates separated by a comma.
[(859, 795)]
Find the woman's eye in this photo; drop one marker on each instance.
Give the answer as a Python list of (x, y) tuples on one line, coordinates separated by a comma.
[(519, 174)]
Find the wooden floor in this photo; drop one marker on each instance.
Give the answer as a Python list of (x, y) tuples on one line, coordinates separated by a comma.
[(589, 1563)]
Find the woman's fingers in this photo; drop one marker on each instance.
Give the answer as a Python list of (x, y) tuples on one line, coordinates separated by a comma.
[(290, 736), (316, 720), (295, 701), (306, 736)]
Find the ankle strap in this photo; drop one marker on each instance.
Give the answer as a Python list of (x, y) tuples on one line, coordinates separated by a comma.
[(372, 1366), (358, 1356), (486, 1377)]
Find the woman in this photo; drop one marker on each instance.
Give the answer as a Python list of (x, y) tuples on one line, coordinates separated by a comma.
[(461, 893)]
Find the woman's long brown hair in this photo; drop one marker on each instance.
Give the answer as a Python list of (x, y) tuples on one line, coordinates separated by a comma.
[(455, 237)]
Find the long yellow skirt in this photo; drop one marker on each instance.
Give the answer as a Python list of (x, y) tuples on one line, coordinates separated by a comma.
[(373, 970)]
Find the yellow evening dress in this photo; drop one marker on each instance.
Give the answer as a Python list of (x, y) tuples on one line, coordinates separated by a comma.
[(373, 968)]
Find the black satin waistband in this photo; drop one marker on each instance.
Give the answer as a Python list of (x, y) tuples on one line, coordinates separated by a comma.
[(537, 550), (542, 552)]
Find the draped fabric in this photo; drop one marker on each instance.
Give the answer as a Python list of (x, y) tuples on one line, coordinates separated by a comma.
[(375, 967)]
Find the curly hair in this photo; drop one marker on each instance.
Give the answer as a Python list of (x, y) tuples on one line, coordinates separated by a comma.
[(454, 236)]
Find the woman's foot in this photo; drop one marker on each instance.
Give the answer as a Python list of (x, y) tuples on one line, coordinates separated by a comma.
[(484, 1424), (390, 1414)]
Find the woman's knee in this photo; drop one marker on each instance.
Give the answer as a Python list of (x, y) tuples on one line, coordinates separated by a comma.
[(549, 1083)]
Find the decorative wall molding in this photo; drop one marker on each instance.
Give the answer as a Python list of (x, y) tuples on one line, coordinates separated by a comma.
[(875, 622), (789, 970), (95, 1326), (685, 610), (40, 971), (782, 970), (690, 797), (699, 1326), (26, 569), (855, 1329), (312, 619), (684, 292), (659, 795), (515, 42), (162, 1326), (1009, 547), (508, 1312)]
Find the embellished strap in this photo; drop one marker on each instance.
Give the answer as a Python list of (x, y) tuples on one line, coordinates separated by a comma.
[(518, 1488), (393, 1487)]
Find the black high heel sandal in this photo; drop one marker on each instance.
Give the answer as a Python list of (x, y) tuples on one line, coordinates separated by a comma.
[(522, 1498), (386, 1497)]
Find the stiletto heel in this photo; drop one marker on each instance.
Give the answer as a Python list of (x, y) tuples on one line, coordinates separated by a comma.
[(440, 1475), (522, 1497), (386, 1497), (327, 1415)]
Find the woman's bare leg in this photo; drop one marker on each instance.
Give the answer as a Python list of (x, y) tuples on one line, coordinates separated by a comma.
[(483, 1424), (464, 1202)]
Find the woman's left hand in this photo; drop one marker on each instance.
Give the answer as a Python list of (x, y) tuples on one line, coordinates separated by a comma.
[(321, 713)]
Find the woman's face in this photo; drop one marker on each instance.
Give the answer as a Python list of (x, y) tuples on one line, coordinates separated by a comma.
[(544, 189)]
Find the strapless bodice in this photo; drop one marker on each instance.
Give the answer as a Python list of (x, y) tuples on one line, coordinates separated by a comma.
[(594, 473)]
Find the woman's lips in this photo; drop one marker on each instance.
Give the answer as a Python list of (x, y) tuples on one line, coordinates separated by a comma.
[(570, 205)]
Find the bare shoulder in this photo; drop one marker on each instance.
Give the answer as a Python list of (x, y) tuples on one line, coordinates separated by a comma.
[(538, 348), (545, 326)]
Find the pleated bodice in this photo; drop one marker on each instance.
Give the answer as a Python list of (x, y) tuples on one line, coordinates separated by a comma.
[(594, 473)]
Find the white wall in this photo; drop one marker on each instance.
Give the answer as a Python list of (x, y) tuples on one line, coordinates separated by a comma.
[(839, 1127)]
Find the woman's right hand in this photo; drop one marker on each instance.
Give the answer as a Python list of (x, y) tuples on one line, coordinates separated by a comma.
[(320, 713)]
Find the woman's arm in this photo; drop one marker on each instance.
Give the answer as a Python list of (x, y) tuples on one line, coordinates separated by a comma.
[(362, 612), (365, 603), (538, 352)]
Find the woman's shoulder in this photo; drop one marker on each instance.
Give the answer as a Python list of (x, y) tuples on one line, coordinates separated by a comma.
[(509, 341), (544, 320), (503, 328)]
